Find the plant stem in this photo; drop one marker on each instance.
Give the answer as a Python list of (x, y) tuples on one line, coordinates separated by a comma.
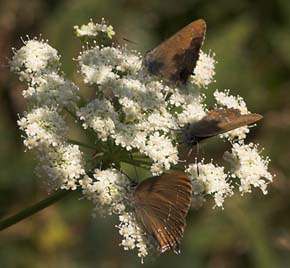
[(27, 212), (138, 162), (81, 144)]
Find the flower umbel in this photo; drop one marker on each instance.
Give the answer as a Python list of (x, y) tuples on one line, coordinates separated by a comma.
[(210, 179), (92, 30), (34, 59), (43, 127), (131, 117), (249, 167)]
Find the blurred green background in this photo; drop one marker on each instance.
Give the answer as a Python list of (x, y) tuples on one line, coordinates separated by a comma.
[(251, 40)]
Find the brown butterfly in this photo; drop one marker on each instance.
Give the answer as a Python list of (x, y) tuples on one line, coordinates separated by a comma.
[(175, 59), (217, 122), (161, 204)]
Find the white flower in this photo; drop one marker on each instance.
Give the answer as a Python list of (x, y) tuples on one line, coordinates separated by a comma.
[(100, 65), (161, 150), (138, 98), (161, 120), (190, 107), (107, 190), (130, 93), (34, 59), (43, 127), (226, 100), (131, 62), (133, 236), (191, 113), (204, 70), (210, 179), (100, 116), (247, 165), (125, 136), (52, 90), (94, 29), (63, 166), (158, 120)]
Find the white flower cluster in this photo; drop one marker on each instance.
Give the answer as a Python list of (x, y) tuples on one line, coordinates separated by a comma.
[(38, 64), (133, 235), (103, 65), (108, 191), (204, 70), (62, 166), (99, 115), (52, 90), (192, 108), (210, 179), (246, 165), (59, 161), (131, 112), (249, 167), (34, 59), (44, 126), (226, 100), (94, 29)]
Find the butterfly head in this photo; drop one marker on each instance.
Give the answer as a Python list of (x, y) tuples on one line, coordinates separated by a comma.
[(188, 137), (152, 65)]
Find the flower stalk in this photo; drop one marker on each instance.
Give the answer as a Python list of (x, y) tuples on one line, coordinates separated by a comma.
[(29, 211)]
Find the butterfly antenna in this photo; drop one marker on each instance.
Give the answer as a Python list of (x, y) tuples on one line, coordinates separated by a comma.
[(189, 153), (197, 156), (129, 41), (179, 129)]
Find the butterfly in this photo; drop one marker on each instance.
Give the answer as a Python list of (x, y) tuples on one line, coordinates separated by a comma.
[(161, 204), (175, 58), (217, 122)]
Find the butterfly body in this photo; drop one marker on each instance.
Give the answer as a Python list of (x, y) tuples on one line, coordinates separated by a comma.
[(161, 204), (175, 59), (217, 122)]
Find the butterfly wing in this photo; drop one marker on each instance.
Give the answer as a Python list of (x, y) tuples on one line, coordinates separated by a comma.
[(175, 59), (219, 121), (161, 204)]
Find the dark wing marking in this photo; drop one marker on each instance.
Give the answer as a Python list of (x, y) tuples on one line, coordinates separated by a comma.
[(175, 59)]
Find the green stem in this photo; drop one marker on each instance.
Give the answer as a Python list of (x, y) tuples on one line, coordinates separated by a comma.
[(146, 163), (80, 144), (144, 166), (27, 212)]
